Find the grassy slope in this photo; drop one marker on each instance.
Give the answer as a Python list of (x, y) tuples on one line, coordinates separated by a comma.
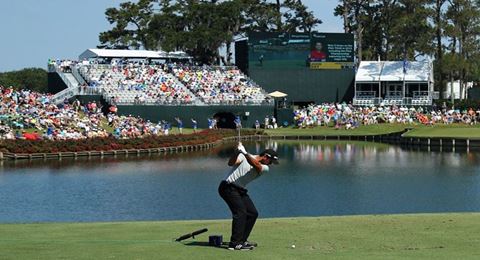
[(459, 131), (456, 130), (427, 236), (322, 130)]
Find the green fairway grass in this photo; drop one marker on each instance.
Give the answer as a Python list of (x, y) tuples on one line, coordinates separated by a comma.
[(419, 236), (455, 131), (323, 130), (440, 130)]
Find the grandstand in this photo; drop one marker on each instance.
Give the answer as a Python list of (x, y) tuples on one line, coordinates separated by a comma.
[(159, 86)]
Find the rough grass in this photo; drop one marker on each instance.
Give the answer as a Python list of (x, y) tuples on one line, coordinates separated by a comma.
[(419, 236)]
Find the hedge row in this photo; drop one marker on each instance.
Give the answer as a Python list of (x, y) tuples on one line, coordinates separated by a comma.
[(111, 143)]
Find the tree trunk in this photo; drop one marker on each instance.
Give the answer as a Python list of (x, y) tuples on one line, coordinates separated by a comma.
[(229, 57), (438, 35), (359, 33), (346, 22), (452, 93), (279, 16), (461, 70)]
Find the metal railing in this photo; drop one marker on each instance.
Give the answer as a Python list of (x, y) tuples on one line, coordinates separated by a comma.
[(417, 94), (65, 79), (77, 75), (394, 94), (365, 94), (90, 90), (66, 93), (192, 103)]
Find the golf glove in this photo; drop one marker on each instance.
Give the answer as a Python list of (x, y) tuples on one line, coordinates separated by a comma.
[(241, 149)]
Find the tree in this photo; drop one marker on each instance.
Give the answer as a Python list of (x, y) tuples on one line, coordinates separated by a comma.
[(411, 32), (29, 78), (130, 25), (389, 29), (356, 18), (298, 18), (261, 16), (438, 23), (197, 27), (463, 31), (200, 27)]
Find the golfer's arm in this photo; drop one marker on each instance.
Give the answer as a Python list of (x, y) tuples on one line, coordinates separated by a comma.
[(234, 159), (254, 163)]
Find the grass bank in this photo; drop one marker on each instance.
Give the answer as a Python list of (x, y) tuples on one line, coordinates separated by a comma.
[(452, 131), (419, 236)]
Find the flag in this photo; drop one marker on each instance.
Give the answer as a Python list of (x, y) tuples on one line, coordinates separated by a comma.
[(238, 122), (405, 64)]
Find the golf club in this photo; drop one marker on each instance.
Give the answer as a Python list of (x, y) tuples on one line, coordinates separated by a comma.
[(192, 235)]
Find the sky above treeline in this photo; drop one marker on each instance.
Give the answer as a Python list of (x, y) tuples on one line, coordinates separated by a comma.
[(34, 31)]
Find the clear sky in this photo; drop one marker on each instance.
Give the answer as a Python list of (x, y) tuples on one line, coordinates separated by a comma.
[(35, 30)]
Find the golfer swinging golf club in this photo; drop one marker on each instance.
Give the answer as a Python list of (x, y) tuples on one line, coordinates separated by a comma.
[(244, 169)]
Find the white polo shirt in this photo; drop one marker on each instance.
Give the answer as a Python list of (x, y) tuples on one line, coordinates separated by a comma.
[(243, 173)]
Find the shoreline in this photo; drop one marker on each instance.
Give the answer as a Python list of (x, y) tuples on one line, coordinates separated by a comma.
[(396, 138)]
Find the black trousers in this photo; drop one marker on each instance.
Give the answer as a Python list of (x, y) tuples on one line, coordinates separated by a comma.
[(244, 213)]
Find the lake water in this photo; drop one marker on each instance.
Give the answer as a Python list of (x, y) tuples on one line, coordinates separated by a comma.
[(313, 179)]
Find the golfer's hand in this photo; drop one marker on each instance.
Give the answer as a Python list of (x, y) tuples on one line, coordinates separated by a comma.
[(241, 148)]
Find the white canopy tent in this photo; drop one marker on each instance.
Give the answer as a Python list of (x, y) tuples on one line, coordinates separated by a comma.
[(394, 82), (368, 71), (277, 94), (416, 71), (376, 71)]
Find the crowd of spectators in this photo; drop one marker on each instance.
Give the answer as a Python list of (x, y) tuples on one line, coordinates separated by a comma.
[(349, 117), (64, 65), (137, 83), (26, 109), (26, 114), (144, 82), (217, 85)]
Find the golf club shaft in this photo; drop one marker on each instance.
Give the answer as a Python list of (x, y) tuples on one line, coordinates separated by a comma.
[(191, 234)]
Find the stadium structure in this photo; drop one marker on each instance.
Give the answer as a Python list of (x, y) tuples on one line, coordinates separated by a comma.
[(274, 73), (160, 86)]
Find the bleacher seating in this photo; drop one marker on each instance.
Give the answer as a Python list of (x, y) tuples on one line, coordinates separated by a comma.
[(216, 85), (137, 83)]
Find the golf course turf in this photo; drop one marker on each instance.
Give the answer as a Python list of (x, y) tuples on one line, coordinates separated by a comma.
[(419, 236), (417, 130)]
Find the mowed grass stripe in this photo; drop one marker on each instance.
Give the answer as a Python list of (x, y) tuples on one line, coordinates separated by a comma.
[(440, 130), (421, 236)]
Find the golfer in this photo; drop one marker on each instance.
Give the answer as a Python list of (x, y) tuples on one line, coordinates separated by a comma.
[(244, 169)]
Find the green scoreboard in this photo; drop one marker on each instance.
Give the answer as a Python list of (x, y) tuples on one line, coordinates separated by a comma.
[(316, 67)]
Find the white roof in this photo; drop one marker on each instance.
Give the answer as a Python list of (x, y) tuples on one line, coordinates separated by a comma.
[(139, 54), (375, 71), (369, 71)]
